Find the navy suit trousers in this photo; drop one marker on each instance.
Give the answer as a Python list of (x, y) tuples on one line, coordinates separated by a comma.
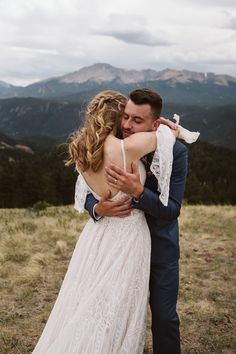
[(164, 283)]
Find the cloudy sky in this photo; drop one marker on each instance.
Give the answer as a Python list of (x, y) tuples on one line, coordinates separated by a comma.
[(46, 38)]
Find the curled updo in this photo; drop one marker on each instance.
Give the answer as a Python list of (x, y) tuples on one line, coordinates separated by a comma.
[(102, 117)]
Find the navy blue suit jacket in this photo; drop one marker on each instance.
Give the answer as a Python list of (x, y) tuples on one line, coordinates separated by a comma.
[(162, 221)]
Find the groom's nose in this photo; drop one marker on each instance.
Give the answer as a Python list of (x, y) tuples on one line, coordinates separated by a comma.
[(127, 124)]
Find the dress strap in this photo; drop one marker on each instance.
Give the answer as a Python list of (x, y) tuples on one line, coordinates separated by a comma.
[(123, 154)]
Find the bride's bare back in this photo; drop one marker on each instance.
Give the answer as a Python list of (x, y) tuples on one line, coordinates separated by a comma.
[(135, 146), (112, 154)]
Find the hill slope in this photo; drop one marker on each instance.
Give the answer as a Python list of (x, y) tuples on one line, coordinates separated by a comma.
[(24, 117)]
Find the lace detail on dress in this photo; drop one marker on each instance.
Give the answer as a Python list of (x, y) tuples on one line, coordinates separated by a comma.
[(162, 161), (81, 191), (102, 304)]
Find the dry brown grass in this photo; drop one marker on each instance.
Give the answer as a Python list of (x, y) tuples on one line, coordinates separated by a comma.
[(36, 246)]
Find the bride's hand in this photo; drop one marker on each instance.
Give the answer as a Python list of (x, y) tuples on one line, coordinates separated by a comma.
[(175, 132), (173, 126), (179, 131), (169, 123)]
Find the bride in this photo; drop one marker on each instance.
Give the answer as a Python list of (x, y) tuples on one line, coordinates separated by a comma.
[(102, 304)]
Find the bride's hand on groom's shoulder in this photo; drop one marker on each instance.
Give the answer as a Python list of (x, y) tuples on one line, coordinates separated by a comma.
[(119, 208), (169, 123), (173, 126)]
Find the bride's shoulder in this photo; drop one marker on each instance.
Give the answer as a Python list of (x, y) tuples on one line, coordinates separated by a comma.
[(111, 141)]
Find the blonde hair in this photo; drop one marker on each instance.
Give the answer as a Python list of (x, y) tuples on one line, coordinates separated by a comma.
[(103, 116)]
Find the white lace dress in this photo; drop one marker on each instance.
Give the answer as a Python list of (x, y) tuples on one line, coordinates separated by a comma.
[(102, 304)]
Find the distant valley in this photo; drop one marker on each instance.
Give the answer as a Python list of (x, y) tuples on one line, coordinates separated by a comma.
[(22, 118)]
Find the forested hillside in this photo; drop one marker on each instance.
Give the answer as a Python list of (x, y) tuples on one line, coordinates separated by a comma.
[(28, 178)]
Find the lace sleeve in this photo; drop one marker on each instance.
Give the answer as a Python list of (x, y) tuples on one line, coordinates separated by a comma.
[(162, 161), (81, 191)]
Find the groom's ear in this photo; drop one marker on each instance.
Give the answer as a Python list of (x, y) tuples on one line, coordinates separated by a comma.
[(156, 124)]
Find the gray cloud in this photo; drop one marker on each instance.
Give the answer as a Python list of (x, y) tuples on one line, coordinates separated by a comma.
[(232, 23), (53, 37), (214, 3), (136, 37), (132, 29)]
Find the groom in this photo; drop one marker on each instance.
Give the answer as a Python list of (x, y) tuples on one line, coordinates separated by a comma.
[(141, 114)]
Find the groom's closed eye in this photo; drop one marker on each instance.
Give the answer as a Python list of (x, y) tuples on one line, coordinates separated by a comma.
[(138, 120)]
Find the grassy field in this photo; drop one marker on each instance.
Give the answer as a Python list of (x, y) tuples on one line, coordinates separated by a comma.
[(36, 246)]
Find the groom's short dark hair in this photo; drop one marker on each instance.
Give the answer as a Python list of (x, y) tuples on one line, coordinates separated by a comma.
[(147, 96)]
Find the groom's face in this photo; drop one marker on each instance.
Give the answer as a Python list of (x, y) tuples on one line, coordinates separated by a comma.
[(137, 118)]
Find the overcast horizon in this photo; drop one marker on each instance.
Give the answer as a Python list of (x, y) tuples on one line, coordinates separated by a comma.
[(56, 37)]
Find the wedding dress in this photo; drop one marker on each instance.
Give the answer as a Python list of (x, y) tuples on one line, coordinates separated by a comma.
[(102, 304)]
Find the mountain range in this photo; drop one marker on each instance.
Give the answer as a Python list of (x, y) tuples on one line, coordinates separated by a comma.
[(177, 86), (53, 108)]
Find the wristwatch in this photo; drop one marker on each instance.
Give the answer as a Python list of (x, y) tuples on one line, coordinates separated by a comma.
[(137, 200)]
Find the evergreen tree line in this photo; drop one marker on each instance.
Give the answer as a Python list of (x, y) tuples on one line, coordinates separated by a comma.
[(26, 180)]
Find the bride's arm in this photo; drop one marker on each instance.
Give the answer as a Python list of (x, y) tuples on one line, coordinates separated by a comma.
[(140, 144)]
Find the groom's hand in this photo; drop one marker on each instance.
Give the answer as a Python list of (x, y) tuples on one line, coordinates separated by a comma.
[(127, 182), (106, 207)]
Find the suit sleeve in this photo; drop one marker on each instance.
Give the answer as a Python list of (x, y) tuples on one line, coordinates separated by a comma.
[(150, 202), (90, 203)]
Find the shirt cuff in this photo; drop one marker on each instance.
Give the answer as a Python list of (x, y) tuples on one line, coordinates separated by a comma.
[(95, 216), (137, 200)]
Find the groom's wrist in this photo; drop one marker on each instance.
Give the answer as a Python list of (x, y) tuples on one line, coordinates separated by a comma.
[(137, 195), (96, 216)]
